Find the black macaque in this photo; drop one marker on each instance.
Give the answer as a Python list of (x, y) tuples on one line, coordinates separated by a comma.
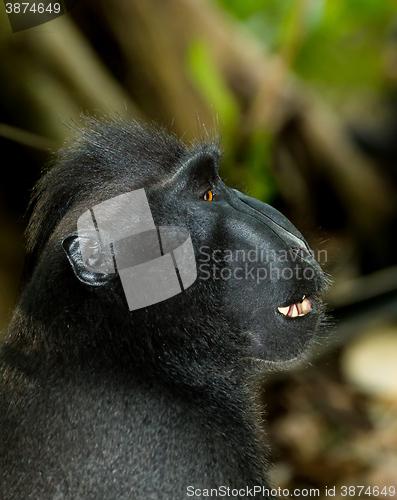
[(101, 402)]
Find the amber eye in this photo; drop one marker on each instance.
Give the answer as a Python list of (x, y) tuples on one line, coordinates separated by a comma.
[(208, 195)]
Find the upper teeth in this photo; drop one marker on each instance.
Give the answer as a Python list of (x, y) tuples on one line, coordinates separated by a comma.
[(298, 309)]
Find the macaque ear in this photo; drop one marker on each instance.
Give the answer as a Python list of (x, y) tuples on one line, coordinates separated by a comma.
[(91, 263)]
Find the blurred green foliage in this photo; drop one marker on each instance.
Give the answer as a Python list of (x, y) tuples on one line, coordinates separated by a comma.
[(337, 44), (209, 81), (259, 177)]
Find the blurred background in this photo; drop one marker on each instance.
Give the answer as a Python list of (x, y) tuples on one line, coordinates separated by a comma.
[(304, 93)]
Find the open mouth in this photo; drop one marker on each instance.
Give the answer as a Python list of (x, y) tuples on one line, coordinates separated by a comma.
[(298, 309)]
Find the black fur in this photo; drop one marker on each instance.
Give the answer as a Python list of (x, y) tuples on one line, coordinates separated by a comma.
[(98, 402)]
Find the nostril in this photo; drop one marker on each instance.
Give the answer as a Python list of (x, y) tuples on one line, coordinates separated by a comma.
[(302, 252)]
